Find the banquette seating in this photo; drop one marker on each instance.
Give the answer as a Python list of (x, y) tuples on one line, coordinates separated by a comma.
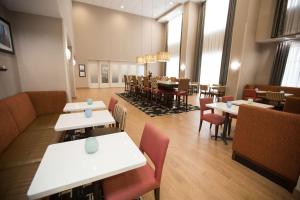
[(27, 128)]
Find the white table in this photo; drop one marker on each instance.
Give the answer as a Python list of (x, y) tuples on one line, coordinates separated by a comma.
[(72, 121), (264, 92), (81, 106), (260, 105), (234, 110), (67, 165)]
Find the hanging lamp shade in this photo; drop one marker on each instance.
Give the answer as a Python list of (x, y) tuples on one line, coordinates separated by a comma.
[(150, 58), (140, 60), (163, 56)]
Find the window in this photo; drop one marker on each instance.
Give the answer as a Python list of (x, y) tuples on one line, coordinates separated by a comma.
[(174, 38), (214, 32), (291, 76)]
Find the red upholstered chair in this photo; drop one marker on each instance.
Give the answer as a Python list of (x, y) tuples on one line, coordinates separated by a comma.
[(231, 116), (134, 183), (212, 118), (250, 94), (112, 104)]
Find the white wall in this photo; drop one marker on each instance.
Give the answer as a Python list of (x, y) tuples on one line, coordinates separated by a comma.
[(40, 52), (105, 34)]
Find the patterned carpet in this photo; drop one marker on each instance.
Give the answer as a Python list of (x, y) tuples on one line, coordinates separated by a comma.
[(154, 110)]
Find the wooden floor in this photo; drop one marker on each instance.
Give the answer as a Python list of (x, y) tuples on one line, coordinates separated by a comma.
[(196, 166)]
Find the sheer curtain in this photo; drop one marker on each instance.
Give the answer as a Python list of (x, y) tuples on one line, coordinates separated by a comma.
[(214, 31), (291, 76), (174, 38), (292, 18)]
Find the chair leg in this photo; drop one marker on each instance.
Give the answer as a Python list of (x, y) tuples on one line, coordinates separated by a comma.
[(156, 193), (200, 125), (210, 125), (186, 102), (229, 126), (216, 131)]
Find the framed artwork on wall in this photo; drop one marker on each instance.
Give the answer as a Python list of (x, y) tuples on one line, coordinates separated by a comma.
[(82, 72), (6, 42)]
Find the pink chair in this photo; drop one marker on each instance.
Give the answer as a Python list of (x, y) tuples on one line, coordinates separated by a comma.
[(250, 94), (135, 183), (112, 104), (212, 118)]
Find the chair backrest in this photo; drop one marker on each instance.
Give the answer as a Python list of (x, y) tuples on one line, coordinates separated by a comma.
[(275, 96), (173, 79), (221, 89), (125, 79), (140, 81), (120, 115), (155, 145), (203, 102), (154, 84), (164, 78), (112, 104), (183, 84), (292, 105), (203, 87), (249, 93), (146, 81), (227, 98)]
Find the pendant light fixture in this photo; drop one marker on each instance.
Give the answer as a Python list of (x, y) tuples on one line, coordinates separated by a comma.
[(151, 58), (141, 59), (163, 56)]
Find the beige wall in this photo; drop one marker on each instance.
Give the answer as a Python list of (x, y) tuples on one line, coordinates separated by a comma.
[(188, 39), (104, 34), (256, 59), (40, 54), (9, 80)]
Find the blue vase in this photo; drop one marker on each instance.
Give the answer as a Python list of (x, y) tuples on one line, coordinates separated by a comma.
[(88, 113), (228, 104), (91, 145), (89, 101)]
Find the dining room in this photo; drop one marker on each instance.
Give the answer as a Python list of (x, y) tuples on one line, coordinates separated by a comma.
[(149, 99)]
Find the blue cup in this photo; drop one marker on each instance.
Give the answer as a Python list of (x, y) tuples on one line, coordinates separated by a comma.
[(91, 145), (228, 104), (89, 101), (88, 113)]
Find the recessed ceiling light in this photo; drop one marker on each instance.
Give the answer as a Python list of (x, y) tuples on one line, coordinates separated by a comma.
[(171, 2), (122, 6)]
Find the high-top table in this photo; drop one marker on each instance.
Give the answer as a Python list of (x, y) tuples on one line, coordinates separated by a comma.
[(73, 121), (234, 110), (81, 106), (66, 165)]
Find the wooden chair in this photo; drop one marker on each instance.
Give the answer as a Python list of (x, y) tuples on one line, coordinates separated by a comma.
[(276, 99), (155, 91), (146, 87), (212, 118), (173, 79), (134, 183), (183, 88), (120, 115), (218, 92), (204, 90)]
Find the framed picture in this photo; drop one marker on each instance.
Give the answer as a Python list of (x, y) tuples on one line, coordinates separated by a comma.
[(6, 42), (81, 67), (82, 72)]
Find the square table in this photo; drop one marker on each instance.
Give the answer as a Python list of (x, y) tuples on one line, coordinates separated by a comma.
[(81, 106), (234, 110), (67, 165), (73, 121), (260, 105)]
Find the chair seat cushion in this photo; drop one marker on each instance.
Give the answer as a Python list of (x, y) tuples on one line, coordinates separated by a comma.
[(213, 118), (181, 93), (130, 185), (104, 131), (15, 181), (28, 147)]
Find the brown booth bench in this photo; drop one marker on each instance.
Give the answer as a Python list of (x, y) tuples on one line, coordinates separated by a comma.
[(27, 123), (268, 141)]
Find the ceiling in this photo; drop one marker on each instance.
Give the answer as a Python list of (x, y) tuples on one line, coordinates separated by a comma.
[(147, 8), (39, 7)]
